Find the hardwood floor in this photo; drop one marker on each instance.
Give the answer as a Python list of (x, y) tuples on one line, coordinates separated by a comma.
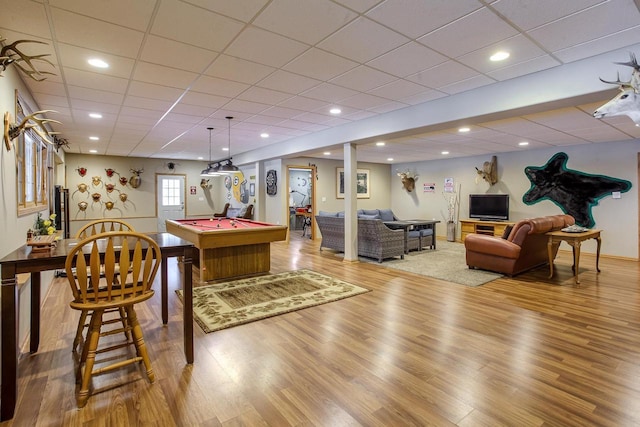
[(528, 351)]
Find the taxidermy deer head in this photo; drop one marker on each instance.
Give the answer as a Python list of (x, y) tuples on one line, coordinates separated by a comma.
[(489, 171), (408, 180), (204, 183), (627, 102), (31, 121)]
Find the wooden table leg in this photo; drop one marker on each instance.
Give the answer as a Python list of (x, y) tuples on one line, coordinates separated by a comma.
[(550, 254), (576, 260), (34, 333), (9, 384), (599, 242), (187, 287), (164, 290)]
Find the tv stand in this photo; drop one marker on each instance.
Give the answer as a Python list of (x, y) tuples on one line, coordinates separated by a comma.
[(477, 226)]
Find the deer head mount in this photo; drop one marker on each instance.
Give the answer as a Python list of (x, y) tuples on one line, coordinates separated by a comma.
[(204, 184), (31, 121), (135, 180), (10, 54), (627, 102), (489, 171), (408, 180)]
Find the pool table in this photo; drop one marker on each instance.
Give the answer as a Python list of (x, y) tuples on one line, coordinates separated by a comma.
[(228, 247)]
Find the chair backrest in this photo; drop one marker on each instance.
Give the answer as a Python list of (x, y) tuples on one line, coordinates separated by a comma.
[(102, 226), (99, 262)]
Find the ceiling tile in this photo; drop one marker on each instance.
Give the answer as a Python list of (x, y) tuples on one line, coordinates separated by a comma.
[(77, 57), (163, 76), (220, 87), (305, 104), (359, 5), (469, 33), (415, 18), (154, 91), (528, 15), (243, 10), (193, 25), (285, 81), (363, 78), (262, 95), (443, 75), (397, 90), (587, 25), (166, 52), (362, 40), (263, 47), (137, 15), (329, 92), (101, 36), (204, 99), (364, 101), (307, 20), (536, 64), (92, 80), (239, 70), (24, 16), (600, 45), (408, 59), (318, 64)]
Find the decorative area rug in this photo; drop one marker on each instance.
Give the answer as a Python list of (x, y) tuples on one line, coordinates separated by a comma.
[(447, 262), (223, 305)]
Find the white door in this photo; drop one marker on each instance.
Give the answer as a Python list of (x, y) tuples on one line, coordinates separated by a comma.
[(170, 199)]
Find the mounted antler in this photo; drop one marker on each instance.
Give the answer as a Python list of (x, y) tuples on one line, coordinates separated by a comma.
[(10, 54), (623, 85), (31, 121)]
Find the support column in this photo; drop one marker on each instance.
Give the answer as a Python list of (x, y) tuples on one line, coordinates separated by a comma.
[(260, 193), (350, 203)]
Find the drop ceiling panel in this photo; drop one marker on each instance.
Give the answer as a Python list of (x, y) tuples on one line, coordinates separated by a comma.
[(182, 56), (320, 65), (362, 40), (407, 59), (308, 21), (136, 16), (285, 81), (239, 70), (193, 25), (263, 47)]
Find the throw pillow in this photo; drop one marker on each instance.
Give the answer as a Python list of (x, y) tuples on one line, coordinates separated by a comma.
[(387, 214), (362, 216)]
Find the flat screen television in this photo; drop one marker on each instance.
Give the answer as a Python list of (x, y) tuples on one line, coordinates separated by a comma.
[(489, 207)]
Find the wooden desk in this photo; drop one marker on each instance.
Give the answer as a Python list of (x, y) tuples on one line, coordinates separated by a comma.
[(575, 240), (22, 260)]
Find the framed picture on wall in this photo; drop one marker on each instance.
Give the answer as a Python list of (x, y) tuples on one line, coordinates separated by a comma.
[(362, 186)]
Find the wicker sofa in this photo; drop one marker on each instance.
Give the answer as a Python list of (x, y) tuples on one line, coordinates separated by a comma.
[(375, 240), (524, 248)]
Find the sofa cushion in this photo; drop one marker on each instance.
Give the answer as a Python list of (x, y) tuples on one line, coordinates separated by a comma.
[(427, 231), (340, 214), (370, 212), (386, 214), (364, 216), (325, 213), (507, 231)]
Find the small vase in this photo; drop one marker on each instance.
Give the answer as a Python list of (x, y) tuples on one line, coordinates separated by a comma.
[(451, 231)]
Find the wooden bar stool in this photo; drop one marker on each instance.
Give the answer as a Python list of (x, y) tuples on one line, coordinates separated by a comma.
[(96, 289)]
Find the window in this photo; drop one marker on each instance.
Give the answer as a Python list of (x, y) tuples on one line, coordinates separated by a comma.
[(171, 192), (33, 159)]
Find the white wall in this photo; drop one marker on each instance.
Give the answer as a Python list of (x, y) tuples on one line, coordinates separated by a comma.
[(618, 218)]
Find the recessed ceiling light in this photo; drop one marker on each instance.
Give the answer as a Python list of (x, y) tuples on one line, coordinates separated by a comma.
[(264, 135), (380, 143), (499, 56), (200, 158), (465, 129), (444, 153), (94, 138), (93, 151), (225, 148), (327, 153), (335, 111), (523, 143), (95, 115), (98, 63), (390, 159)]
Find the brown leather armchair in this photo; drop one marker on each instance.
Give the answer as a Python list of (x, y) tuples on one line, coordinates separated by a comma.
[(524, 248)]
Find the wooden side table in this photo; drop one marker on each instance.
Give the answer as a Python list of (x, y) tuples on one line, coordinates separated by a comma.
[(575, 240)]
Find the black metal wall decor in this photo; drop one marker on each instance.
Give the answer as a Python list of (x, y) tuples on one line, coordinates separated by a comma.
[(575, 192), (272, 182)]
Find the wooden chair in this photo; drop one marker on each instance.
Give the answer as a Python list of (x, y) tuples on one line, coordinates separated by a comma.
[(102, 226), (223, 214), (96, 289), (90, 229)]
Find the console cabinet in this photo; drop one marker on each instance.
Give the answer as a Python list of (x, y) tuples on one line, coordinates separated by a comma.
[(492, 228)]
